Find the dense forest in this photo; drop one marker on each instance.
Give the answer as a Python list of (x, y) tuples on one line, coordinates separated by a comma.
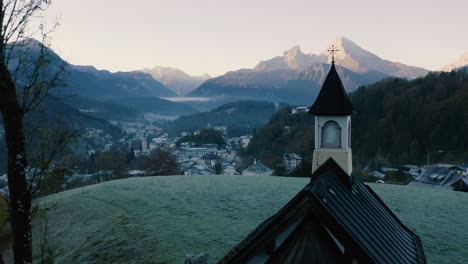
[(396, 122), (399, 121)]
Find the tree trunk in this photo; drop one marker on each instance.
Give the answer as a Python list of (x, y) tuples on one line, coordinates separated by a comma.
[(20, 198)]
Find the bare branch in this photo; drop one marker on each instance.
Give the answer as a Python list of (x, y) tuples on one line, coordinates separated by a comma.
[(26, 77)]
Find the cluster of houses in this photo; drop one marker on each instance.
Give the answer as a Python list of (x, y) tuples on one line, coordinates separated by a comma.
[(291, 162), (137, 128), (142, 139), (442, 176), (145, 145), (195, 160), (192, 159), (239, 142), (203, 160), (436, 176), (95, 138)]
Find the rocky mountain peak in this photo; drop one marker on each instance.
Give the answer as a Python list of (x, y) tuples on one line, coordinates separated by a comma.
[(293, 52), (349, 55), (293, 57), (353, 57)]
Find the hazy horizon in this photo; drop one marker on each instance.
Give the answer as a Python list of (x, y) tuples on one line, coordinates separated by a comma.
[(213, 37)]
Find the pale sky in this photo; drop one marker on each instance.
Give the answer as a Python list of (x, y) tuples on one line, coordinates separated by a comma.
[(216, 36)]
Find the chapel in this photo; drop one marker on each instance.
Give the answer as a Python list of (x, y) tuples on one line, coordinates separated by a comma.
[(336, 218)]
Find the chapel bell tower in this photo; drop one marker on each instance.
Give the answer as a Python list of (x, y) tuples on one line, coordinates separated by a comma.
[(332, 110)]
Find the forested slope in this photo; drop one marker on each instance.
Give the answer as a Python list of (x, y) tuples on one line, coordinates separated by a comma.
[(401, 121), (396, 122)]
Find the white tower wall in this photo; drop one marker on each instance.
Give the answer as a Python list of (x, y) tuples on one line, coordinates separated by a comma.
[(342, 154)]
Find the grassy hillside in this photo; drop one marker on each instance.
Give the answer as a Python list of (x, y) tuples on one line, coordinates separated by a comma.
[(161, 219)]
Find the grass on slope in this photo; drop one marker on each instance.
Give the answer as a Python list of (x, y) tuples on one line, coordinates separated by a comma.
[(161, 219), (438, 217)]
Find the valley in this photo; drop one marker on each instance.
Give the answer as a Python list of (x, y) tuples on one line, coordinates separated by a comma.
[(233, 132)]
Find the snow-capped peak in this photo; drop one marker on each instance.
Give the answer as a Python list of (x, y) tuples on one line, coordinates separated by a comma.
[(348, 51), (349, 55)]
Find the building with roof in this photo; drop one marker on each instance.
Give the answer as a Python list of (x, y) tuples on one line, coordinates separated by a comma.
[(378, 174), (198, 152), (439, 176), (336, 218), (461, 185), (291, 161), (257, 169), (300, 109), (464, 166)]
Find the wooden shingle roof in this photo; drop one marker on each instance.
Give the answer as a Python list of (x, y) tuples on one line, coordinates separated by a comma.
[(341, 209)]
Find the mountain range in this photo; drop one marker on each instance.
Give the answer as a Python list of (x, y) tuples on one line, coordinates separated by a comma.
[(282, 85), (293, 75), (177, 80), (103, 94), (296, 75), (348, 55), (87, 81)]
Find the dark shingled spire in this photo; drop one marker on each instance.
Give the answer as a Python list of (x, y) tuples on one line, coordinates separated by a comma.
[(332, 99)]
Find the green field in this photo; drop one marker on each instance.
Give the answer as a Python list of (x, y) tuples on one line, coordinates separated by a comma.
[(161, 219)]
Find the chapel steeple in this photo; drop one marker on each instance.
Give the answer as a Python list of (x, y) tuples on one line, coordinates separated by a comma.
[(332, 99), (332, 110)]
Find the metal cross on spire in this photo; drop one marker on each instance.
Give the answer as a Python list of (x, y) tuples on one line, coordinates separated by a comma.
[(332, 51)]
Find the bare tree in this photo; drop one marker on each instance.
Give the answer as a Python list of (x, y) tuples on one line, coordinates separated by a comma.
[(26, 79), (162, 162), (111, 160)]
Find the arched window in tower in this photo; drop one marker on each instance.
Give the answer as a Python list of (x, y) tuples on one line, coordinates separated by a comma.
[(331, 135)]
